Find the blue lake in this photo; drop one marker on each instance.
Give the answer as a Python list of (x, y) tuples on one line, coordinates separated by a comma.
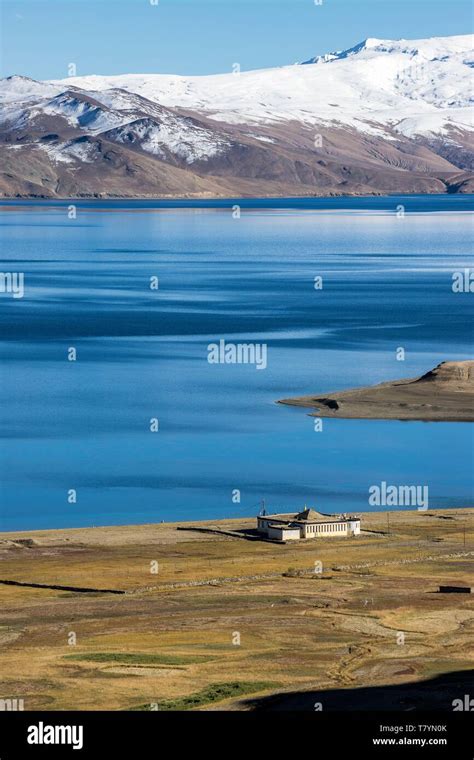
[(143, 354)]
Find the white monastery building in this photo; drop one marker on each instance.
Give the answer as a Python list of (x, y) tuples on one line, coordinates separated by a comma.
[(307, 524)]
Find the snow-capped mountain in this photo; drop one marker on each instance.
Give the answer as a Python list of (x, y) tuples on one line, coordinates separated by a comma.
[(382, 116), (376, 82)]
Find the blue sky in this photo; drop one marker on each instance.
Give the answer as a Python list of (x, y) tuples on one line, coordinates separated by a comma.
[(39, 38)]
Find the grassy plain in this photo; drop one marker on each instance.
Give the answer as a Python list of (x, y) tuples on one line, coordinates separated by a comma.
[(208, 621)]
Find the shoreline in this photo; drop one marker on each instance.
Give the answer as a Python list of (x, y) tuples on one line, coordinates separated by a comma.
[(221, 521), (225, 198)]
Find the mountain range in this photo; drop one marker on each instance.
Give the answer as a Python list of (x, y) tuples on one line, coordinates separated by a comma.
[(381, 117)]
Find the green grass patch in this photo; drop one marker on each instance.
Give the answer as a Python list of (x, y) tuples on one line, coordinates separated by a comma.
[(214, 693), (129, 658)]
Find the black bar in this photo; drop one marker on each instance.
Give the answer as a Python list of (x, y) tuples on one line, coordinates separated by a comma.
[(218, 734)]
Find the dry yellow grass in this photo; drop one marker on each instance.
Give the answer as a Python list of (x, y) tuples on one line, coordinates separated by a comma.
[(295, 632)]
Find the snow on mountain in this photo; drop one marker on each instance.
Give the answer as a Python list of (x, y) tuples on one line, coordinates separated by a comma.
[(82, 150), (81, 112), (23, 89), (178, 135), (118, 115), (19, 94), (408, 86), (431, 48)]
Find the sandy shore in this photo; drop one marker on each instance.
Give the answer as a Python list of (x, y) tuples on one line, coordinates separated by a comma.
[(445, 394)]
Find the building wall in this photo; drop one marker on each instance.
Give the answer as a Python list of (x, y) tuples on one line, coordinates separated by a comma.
[(354, 527), (325, 530), (284, 534), (261, 525)]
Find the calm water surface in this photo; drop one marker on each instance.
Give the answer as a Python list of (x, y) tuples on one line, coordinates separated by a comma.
[(142, 354)]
